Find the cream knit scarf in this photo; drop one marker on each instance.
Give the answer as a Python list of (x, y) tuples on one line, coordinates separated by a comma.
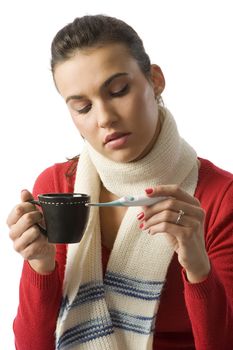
[(118, 312)]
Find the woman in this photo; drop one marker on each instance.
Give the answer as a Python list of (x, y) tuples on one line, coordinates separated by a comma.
[(156, 277)]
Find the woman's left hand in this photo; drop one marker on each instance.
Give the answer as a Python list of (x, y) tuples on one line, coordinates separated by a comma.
[(182, 219)]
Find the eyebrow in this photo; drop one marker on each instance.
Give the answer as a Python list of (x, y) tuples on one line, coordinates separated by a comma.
[(105, 84)]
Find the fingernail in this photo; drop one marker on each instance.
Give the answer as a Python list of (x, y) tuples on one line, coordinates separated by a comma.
[(149, 190), (23, 190), (140, 216), (141, 225)]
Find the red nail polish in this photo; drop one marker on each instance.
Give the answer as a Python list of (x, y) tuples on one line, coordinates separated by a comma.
[(141, 225), (140, 216), (149, 190)]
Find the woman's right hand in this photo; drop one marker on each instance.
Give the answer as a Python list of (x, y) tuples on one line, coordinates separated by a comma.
[(27, 238)]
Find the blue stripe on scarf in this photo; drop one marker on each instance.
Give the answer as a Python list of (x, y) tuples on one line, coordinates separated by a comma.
[(134, 323), (84, 332), (64, 306), (103, 326), (141, 289), (100, 327), (89, 292)]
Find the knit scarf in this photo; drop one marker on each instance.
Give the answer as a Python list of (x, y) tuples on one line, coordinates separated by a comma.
[(118, 311)]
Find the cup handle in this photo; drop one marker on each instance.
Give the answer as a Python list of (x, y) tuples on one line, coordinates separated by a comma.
[(42, 229)]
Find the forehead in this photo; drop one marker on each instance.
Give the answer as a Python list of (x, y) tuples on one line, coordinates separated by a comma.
[(90, 68)]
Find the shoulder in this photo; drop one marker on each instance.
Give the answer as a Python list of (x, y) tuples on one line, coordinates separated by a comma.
[(59, 177), (213, 180), (215, 190)]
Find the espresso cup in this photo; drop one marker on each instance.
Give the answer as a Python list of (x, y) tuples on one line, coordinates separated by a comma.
[(65, 216)]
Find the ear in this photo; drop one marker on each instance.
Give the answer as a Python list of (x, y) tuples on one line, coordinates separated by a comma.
[(157, 79)]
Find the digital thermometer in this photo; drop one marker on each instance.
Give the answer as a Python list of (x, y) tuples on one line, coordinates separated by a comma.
[(129, 201)]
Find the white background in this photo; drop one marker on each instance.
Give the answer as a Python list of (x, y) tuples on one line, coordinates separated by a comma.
[(190, 39)]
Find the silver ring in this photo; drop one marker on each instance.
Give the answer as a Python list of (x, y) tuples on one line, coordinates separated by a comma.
[(180, 214)]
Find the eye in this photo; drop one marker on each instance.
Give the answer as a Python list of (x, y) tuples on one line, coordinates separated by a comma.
[(84, 110), (120, 92), (81, 110)]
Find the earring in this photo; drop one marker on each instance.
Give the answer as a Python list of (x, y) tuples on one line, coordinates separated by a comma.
[(159, 100)]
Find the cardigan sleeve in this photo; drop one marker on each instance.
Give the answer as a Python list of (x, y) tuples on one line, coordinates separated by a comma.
[(40, 295), (210, 303)]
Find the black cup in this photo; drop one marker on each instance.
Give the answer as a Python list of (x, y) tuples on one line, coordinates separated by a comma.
[(65, 215)]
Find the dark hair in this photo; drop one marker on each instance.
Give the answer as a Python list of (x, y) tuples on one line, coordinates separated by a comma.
[(94, 31)]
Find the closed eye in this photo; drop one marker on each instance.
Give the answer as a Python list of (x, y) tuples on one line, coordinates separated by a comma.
[(84, 110), (87, 107), (120, 92)]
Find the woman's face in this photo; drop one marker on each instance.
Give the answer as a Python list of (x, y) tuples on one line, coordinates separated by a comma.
[(111, 102)]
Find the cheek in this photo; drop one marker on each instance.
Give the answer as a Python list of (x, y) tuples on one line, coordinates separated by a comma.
[(150, 106), (77, 121), (144, 106), (144, 97), (132, 107), (85, 126)]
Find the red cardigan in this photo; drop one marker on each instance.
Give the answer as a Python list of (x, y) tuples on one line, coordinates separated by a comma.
[(191, 316)]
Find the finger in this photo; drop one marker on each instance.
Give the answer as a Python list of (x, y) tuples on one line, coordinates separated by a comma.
[(27, 238), (20, 209), (26, 196), (180, 233), (173, 205), (37, 249), (171, 217), (172, 191), (23, 223)]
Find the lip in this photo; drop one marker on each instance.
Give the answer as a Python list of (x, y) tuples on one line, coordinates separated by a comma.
[(114, 136), (116, 140)]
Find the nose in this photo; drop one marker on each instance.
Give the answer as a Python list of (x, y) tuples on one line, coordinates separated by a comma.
[(106, 115)]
